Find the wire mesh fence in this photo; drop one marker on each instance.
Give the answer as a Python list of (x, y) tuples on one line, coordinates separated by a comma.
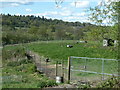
[(49, 67), (78, 69), (84, 69)]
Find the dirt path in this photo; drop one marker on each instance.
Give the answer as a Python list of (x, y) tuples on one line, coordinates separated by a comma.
[(63, 86), (49, 72)]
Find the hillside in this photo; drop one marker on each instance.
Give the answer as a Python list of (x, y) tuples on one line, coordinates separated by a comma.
[(32, 28)]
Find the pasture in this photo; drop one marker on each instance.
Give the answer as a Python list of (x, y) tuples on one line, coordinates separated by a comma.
[(19, 72), (58, 49)]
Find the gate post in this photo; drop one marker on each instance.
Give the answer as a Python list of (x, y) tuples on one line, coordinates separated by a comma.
[(62, 70), (69, 69), (102, 69), (56, 72)]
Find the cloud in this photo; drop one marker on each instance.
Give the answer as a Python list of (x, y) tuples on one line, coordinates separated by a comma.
[(111, 0), (76, 18), (47, 13), (16, 3), (28, 10), (80, 14), (66, 13), (17, 14), (68, 16), (80, 4)]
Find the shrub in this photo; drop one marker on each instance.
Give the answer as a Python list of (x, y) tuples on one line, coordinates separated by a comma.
[(41, 84), (110, 83), (48, 83), (13, 64), (23, 61), (51, 83), (18, 63), (32, 68)]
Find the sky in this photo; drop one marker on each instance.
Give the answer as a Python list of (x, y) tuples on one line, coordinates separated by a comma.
[(66, 10)]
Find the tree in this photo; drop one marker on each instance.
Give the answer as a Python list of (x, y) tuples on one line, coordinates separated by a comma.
[(105, 11), (106, 14)]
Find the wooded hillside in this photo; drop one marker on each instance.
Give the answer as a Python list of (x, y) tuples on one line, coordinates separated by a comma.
[(22, 29)]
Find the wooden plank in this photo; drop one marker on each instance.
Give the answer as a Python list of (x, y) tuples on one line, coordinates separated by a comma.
[(68, 69)]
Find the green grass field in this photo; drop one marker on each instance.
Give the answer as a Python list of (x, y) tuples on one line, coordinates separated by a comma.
[(58, 49), (19, 72)]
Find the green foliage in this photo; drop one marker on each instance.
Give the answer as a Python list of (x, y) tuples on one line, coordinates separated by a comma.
[(21, 73), (13, 64), (58, 50), (85, 86), (48, 83), (20, 62), (32, 68), (108, 11), (11, 52), (105, 14), (23, 29), (110, 83)]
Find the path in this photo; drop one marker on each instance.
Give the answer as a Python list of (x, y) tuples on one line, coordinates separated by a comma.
[(49, 72)]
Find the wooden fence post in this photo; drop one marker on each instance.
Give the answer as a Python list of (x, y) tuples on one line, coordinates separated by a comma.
[(62, 70), (46, 68), (56, 68), (68, 69)]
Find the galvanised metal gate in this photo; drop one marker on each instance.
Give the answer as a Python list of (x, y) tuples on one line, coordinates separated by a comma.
[(85, 70)]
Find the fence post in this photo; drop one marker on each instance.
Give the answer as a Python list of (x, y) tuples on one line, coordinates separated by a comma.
[(63, 70), (68, 69), (102, 69), (56, 68)]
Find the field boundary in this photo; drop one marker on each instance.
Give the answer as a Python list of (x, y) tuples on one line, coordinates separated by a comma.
[(85, 65)]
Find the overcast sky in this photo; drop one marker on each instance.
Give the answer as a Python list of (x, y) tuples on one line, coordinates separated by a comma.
[(69, 10)]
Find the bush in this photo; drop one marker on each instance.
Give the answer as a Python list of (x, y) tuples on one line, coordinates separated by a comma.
[(23, 61), (110, 83), (32, 68), (51, 83), (13, 64), (18, 63), (48, 83), (41, 84)]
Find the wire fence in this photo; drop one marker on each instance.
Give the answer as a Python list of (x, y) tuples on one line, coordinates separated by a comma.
[(84, 69), (49, 67), (77, 69)]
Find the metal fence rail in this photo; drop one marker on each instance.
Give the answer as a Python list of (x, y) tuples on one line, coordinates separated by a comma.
[(92, 69), (94, 58), (94, 72), (77, 68)]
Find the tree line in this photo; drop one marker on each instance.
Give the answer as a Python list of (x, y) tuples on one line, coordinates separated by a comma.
[(23, 29)]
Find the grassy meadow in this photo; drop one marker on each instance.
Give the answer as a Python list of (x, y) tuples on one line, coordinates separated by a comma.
[(19, 72), (55, 50), (58, 49)]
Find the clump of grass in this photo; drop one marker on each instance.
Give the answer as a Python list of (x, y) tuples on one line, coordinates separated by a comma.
[(24, 71), (18, 63), (112, 82), (10, 52), (48, 83), (85, 74)]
